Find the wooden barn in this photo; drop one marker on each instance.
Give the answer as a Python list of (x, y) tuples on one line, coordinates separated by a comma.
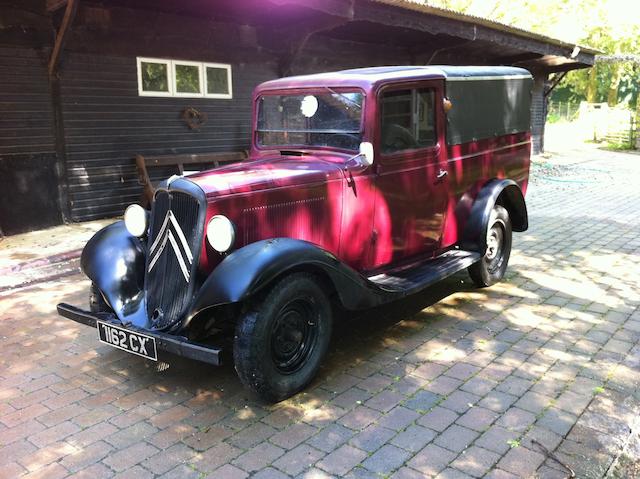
[(86, 86)]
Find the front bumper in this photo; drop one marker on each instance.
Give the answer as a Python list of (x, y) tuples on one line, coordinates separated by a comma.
[(169, 343)]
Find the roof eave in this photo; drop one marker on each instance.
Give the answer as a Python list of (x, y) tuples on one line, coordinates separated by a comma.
[(492, 24)]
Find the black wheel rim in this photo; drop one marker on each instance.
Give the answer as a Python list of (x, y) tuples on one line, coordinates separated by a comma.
[(494, 256), (294, 335)]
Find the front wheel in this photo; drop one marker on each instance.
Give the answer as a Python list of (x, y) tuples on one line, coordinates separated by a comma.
[(97, 304), (493, 265), (282, 338)]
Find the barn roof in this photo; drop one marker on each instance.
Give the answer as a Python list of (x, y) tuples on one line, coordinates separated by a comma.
[(429, 34), (421, 7)]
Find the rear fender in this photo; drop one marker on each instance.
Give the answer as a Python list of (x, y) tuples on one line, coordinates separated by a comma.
[(115, 260), (505, 192), (250, 269)]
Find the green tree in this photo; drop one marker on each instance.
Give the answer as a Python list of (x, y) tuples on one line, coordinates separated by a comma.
[(611, 26)]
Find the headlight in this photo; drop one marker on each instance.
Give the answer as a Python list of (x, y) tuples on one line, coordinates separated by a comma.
[(135, 219), (221, 233)]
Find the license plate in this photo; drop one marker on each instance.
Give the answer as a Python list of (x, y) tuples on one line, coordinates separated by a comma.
[(128, 341)]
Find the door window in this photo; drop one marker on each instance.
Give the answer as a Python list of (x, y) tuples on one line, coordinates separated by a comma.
[(408, 120)]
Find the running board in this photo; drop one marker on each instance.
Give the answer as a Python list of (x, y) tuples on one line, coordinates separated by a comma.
[(410, 279)]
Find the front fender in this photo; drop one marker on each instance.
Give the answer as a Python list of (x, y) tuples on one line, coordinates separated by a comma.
[(115, 261), (508, 194), (249, 269)]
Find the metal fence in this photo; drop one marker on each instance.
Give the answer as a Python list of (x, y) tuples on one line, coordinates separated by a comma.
[(562, 111)]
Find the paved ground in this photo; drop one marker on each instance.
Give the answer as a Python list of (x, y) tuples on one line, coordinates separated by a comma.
[(53, 252), (454, 383)]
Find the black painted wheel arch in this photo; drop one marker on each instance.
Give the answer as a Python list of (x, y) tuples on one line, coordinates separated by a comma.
[(248, 270), (504, 192)]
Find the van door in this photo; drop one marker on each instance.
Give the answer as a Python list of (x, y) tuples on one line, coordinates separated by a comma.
[(411, 172)]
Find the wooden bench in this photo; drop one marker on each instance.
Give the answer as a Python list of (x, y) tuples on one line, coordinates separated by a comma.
[(203, 160)]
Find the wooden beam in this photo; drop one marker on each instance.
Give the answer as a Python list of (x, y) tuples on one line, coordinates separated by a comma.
[(340, 8), (559, 68), (53, 5), (522, 57), (191, 159), (554, 83), (179, 161), (61, 35), (288, 57), (288, 43)]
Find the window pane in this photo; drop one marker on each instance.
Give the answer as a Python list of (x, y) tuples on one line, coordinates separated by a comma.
[(154, 76), (425, 121), (407, 120), (217, 81), (187, 79), (319, 119)]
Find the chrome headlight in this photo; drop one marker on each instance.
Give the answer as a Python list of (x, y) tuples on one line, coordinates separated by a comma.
[(221, 233), (135, 219)]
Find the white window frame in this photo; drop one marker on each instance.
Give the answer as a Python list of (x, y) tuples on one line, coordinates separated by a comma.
[(174, 64), (171, 80), (160, 61), (224, 66)]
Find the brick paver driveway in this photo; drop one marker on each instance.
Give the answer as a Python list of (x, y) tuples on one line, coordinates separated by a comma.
[(457, 382)]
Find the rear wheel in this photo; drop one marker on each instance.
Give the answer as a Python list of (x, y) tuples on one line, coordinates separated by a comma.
[(281, 339), (493, 265)]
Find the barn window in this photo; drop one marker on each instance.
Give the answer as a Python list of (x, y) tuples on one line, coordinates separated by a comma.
[(153, 77), (163, 77), (188, 78), (218, 80)]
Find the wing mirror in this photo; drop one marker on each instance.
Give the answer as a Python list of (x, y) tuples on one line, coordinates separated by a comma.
[(366, 153), (362, 160)]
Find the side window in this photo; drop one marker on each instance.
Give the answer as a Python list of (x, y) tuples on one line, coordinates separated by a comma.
[(408, 120)]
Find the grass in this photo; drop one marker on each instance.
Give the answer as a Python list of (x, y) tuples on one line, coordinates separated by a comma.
[(613, 146)]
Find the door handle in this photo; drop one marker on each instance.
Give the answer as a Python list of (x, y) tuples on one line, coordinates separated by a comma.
[(442, 174)]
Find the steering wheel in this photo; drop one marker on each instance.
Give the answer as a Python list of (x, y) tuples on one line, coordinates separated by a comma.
[(349, 139), (397, 138)]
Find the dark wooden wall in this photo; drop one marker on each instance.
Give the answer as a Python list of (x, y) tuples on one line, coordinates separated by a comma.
[(106, 123), (28, 186)]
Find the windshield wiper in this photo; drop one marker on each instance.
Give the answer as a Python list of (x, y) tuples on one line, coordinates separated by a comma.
[(349, 100)]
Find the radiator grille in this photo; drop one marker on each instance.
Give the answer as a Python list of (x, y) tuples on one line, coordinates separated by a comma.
[(173, 250)]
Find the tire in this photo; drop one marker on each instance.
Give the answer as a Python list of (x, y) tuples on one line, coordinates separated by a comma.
[(282, 338), (493, 265), (97, 304)]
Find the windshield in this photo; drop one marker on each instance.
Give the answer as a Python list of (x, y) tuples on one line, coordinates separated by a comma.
[(330, 119)]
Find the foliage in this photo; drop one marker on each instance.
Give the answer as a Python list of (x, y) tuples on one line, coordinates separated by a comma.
[(611, 26), (617, 146)]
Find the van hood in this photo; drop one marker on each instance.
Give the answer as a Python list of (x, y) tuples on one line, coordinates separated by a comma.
[(269, 172)]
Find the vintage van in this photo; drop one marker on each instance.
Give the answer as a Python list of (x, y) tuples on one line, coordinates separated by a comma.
[(363, 186)]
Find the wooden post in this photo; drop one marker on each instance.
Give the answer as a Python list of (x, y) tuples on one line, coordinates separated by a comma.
[(61, 35), (56, 103)]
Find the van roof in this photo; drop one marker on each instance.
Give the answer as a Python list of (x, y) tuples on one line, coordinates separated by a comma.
[(370, 76)]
